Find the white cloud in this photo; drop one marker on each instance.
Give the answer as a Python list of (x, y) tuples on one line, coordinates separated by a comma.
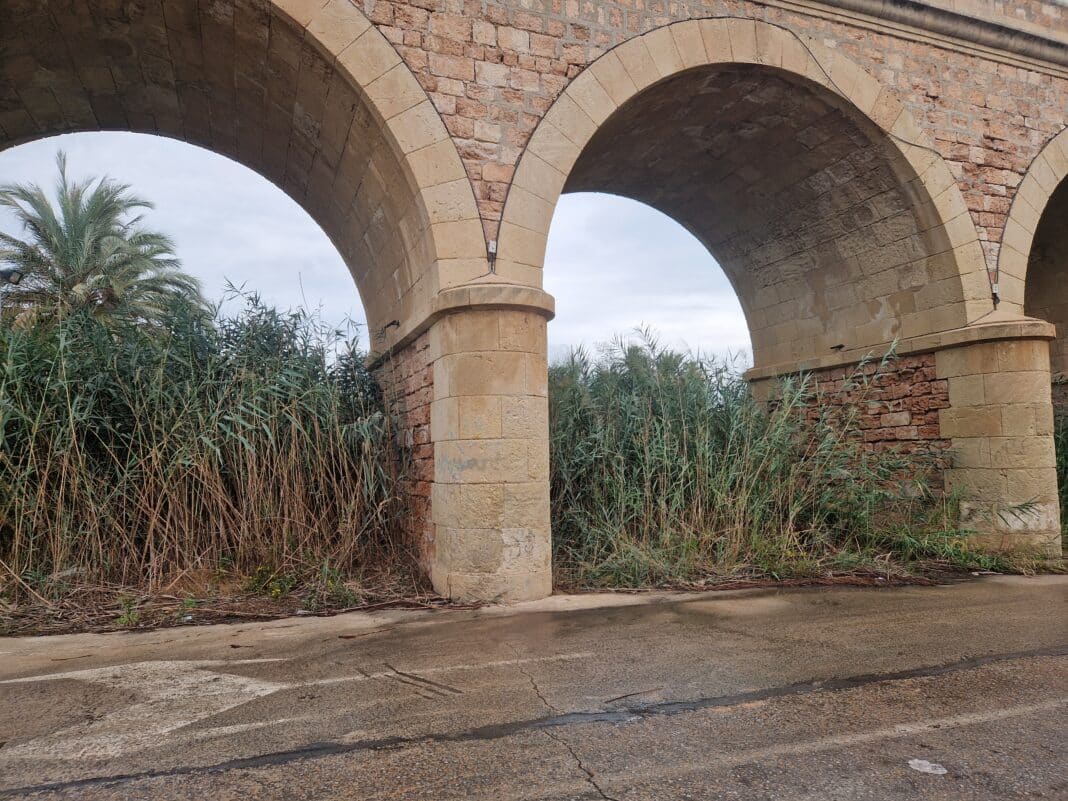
[(612, 264)]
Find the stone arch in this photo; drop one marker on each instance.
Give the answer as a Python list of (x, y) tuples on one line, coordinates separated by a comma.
[(1033, 261), (306, 92), (842, 298), (1045, 175)]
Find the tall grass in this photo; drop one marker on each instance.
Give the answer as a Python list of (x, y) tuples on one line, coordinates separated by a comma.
[(666, 469), (260, 446), (131, 458)]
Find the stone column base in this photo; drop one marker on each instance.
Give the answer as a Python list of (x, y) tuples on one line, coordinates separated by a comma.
[(490, 428), (1000, 423)]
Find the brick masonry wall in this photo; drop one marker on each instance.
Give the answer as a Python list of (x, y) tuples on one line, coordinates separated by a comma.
[(492, 69), (897, 407), (407, 381), (989, 402)]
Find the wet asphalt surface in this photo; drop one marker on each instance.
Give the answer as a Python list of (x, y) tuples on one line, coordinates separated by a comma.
[(803, 694)]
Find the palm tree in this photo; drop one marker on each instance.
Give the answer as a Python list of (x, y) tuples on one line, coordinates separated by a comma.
[(89, 253)]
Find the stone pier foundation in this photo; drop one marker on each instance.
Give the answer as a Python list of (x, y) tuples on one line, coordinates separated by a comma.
[(1000, 424)]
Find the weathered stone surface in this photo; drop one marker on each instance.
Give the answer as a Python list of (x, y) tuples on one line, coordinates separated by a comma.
[(896, 406), (999, 425)]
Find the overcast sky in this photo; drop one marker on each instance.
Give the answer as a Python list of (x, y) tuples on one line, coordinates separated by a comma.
[(613, 264)]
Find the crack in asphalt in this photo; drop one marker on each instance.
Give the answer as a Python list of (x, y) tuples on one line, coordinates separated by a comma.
[(555, 737), (501, 730), (590, 778), (533, 683)]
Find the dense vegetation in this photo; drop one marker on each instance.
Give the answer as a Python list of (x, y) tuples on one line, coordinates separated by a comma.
[(137, 457), (1060, 440), (258, 447), (152, 445), (148, 443), (666, 469)]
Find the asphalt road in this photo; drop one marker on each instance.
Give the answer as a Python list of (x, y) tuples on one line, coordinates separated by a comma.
[(811, 694)]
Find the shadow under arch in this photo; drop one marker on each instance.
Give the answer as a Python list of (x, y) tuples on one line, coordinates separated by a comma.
[(839, 225), (311, 96)]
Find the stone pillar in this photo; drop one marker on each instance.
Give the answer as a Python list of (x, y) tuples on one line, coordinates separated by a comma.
[(1000, 423), (489, 426)]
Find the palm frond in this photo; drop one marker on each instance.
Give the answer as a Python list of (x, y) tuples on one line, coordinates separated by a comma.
[(87, 248)]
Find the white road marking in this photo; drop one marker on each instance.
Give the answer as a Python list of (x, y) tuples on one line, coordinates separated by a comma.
[(238, 728), (71, 674), (173, 694), (764, 755), (899, 730), (177, 693)]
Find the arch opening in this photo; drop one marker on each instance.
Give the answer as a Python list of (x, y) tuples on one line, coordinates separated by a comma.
[(245, 80), (819, 223), (1046, 297), (840, 226), (686, 303), (313, 97), (234, 231)]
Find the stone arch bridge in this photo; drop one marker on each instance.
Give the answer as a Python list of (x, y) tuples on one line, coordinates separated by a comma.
[(866, 171)]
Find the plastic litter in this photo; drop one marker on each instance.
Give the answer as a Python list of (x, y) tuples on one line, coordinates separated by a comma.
[(923, 766)]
